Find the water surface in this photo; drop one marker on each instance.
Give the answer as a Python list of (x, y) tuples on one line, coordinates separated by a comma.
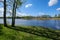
[(55, 24)]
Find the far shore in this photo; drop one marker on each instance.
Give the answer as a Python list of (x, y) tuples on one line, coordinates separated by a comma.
[(33, 18)]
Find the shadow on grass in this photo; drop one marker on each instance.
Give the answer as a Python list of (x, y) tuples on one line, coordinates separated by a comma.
[(1, 32), (44, 33)]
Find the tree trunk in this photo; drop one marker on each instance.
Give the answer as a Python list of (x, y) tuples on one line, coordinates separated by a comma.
[(13, 15), (5, 24)]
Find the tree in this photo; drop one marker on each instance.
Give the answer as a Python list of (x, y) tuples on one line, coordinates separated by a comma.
[(55, 15), (58, 15), (5, 24), (16, 4), (46, 16), (4, 2), (13, 14)]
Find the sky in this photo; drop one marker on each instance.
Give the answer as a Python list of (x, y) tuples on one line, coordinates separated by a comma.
[(37, 8)]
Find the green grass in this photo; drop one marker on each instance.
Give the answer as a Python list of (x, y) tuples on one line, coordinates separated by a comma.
[(10, 34)]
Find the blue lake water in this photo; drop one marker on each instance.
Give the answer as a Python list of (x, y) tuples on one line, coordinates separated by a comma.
[(55, 24)]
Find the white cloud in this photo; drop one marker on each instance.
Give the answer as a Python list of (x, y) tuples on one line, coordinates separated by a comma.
[(1, 11), (9, 13), (58, 9), (41, 13), (52, 2), (28, 5), (1, 0), (22, 14)]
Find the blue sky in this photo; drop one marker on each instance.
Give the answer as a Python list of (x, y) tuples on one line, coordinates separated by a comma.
[(38, 8)]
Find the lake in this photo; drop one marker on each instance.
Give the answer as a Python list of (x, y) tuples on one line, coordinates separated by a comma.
[(55, 24)]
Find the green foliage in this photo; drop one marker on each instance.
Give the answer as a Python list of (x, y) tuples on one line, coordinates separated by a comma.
[(27, 17), (19, 3)]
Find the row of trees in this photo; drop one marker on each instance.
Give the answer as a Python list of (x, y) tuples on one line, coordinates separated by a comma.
[(49, 16), (57, 15), (14, 4)]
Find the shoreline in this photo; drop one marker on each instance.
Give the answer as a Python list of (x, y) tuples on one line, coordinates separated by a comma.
[(36, 18)]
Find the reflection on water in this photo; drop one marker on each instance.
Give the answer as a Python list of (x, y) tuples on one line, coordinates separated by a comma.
[(55, 24)]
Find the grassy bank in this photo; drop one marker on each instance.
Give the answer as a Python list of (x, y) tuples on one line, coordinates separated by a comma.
[(10, 34)]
